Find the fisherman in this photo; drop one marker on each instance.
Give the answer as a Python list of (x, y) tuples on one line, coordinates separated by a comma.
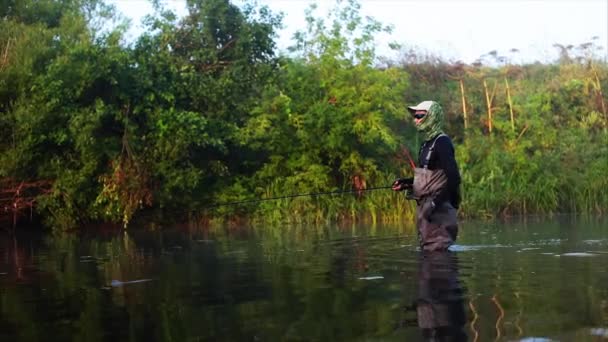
[(436, 182)]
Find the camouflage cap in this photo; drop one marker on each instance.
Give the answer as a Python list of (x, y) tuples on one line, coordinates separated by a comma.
[(424, 105), (431, 125)]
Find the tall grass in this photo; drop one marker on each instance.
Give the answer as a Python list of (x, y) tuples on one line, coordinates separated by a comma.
[(377, 206), (499, 179)]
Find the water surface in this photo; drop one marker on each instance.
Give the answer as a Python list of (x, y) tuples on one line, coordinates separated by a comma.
[(533, 279)]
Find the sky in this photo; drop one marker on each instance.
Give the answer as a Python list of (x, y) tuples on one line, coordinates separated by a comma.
[(453, 29)]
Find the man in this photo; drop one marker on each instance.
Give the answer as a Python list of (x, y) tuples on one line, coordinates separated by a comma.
[(436, 182)]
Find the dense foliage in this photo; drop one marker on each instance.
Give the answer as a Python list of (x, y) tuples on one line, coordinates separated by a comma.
[(202, 110)]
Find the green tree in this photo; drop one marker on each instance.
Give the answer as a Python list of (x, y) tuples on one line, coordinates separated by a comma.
[(327, 124)]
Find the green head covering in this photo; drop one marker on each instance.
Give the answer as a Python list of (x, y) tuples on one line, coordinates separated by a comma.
[(432, 124)]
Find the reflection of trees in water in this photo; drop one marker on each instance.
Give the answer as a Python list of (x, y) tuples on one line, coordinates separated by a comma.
[(55, 287), (489, 316), (474, 320), (14, 259), (18, 258), (296, 284), (525, 289), (209, 287)]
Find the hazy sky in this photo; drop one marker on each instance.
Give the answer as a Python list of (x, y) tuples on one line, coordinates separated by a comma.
[(455, 29)]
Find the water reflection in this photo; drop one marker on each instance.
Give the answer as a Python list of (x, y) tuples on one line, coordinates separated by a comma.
[(15, 262), (440, 306), (303, 284)]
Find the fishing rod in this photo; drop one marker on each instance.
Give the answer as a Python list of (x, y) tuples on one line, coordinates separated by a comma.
[(406, 152), (409, 157), (312, 194)]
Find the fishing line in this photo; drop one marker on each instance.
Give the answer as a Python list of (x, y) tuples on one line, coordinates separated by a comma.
[(337, 192)]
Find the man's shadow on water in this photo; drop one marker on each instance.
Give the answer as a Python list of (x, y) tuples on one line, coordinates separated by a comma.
[(439, 304)]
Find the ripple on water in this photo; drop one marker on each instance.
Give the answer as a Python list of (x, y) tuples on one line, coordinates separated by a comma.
[(118, 283), (577, 254), (601, 332), (594, 242), (547, 242), (465, 248)]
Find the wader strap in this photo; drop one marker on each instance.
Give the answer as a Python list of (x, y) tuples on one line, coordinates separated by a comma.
[(430, 152)]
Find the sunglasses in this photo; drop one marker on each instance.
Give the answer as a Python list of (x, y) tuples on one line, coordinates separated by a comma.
[(419, 116)]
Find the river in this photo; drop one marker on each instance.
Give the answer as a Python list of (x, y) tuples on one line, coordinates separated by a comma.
[(528, 279)]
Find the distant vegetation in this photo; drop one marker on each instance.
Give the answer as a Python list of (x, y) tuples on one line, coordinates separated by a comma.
[(203, 110)]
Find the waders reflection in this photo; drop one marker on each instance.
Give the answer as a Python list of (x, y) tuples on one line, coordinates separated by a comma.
[(439, 305)]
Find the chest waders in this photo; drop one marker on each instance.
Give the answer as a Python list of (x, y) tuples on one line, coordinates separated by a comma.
[(436, 222)]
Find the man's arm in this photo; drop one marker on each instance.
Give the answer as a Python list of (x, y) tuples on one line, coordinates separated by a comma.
[(444, 151)]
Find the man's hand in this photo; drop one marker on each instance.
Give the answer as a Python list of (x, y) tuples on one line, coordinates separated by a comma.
[(402, 184)]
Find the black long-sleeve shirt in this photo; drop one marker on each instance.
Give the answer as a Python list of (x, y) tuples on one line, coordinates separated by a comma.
[(443, 158)]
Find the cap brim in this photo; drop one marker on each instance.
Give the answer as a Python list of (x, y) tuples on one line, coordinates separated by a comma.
[(413, 109)]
